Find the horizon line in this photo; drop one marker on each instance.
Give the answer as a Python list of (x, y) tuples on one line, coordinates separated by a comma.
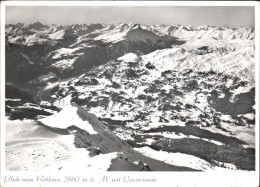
[(93, 23)]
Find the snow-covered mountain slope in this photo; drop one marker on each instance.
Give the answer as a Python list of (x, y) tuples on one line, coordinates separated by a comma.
[(205, 32), (88, 139), (144, 99), (45, 149), (239, 63), (148, 93), (70, 50)]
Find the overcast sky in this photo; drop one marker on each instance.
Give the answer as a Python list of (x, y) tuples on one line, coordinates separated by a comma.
[(170, 15)]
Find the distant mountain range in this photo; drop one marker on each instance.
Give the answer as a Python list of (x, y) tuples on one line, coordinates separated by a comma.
[(70, 50)]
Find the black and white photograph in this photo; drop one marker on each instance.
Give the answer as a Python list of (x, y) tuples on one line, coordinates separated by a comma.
[(130, 88)]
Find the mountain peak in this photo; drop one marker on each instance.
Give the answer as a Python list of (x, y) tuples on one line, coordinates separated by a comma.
[(20, 24), (136, 26), (37, 26)]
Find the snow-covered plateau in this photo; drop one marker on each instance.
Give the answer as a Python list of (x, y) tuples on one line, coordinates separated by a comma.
[(129, 97)]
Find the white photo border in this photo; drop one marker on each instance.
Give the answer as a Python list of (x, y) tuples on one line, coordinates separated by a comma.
[(232, 178)]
